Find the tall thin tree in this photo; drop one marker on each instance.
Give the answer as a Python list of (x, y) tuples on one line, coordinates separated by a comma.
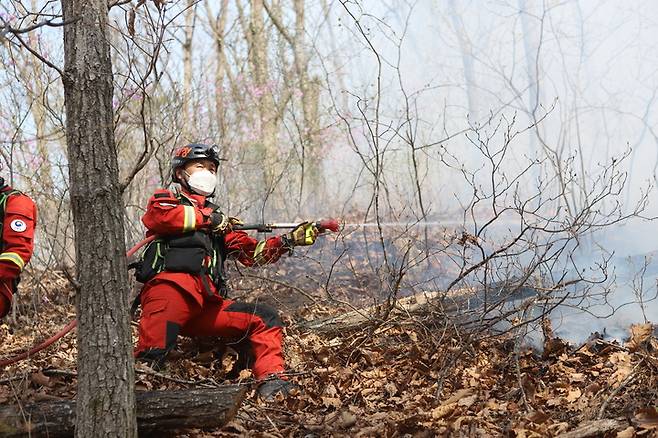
[(106, 399)]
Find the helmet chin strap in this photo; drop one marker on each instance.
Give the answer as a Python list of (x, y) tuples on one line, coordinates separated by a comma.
[(183, 182)]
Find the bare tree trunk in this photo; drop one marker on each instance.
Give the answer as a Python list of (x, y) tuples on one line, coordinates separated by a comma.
[(466, 49), (218, 27), (310, 91), (266, 108), (188, 125), (106, 399), (532, 61)]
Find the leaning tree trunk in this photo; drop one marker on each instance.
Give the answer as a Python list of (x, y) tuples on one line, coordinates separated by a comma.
[(106, 400)]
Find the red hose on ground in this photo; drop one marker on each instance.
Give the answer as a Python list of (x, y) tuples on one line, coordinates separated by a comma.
[(60, 334), (70, 326)]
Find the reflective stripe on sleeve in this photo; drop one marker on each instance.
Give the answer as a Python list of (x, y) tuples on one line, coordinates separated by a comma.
[(14, 258), (189, 220), (258, 252)]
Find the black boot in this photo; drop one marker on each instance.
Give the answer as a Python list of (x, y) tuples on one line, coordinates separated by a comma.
[(269, 389), (155, 358)]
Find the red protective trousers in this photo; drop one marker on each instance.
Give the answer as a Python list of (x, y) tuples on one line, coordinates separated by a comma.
[(168, 311), (176, 303)]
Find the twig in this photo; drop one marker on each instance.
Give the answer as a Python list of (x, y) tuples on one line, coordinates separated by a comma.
[(623, 384), (57, 372), (271, 422), (16, 31), (517, 367), (39, 56), (72, 280), (204, 382), (284, 284), (117, 3), (12, 378), (18, 402)]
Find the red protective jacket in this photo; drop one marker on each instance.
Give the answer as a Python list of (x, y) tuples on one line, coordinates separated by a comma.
[(18, 225), (166, 216)]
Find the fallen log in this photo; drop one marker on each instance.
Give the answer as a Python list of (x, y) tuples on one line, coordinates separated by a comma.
[(460, 300), (157, 411), (353, 320)]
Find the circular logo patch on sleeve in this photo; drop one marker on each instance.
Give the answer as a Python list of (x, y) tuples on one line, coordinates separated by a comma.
[(18, 225)]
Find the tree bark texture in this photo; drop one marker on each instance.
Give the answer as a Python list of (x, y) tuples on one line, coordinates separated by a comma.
[(189, 120), (267, 114), (157, 412), (218, 28), (106, 399)]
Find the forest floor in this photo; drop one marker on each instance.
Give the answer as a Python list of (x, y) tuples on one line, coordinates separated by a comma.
[(415, 376)]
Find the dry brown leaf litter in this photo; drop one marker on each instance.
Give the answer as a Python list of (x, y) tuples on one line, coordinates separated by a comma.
[(412, 378)]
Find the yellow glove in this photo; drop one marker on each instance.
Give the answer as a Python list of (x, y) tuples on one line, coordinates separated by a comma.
[(233, 221), (302, 235)]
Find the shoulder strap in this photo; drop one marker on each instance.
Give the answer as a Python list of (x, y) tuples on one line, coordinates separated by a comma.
[(4, 195), (184, 199), (214, 207)]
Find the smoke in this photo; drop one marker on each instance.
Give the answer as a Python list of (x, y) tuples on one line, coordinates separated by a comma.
[(434, 119), (554, 83)]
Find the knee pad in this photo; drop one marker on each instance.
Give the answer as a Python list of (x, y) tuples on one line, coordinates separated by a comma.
[(155, 357), (171, 336), (268, 314)]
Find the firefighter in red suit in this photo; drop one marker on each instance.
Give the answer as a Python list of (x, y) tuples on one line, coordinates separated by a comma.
[(184, 291), (18, 222)]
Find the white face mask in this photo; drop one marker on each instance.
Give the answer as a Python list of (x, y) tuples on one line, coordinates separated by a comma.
[(202, 182)]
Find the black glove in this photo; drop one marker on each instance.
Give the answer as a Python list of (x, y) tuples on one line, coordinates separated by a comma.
[(222, 224), (219, 222)]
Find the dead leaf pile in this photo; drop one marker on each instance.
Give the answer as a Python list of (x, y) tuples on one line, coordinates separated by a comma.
[(406, 377)]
